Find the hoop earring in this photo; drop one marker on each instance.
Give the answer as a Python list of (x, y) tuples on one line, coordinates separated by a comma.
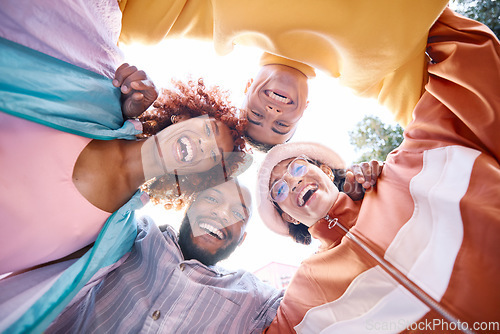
[(331, 176), (173, 119), (328, 171)]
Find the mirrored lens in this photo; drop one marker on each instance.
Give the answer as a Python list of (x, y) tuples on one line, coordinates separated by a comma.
[(298, 168), (279, 191)]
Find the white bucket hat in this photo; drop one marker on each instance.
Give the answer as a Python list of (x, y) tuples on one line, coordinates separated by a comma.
[(265, 206)]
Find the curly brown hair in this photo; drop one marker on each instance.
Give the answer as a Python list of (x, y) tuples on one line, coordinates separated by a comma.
[(192, 99)]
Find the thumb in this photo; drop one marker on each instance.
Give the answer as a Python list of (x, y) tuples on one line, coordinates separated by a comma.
[(133, 105)]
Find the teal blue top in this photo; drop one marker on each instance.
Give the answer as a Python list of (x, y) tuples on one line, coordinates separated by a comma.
[(54, 93)]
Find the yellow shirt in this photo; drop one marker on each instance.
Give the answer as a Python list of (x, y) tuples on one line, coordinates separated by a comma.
[(377, 48)]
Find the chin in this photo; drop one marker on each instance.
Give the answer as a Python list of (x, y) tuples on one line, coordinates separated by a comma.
[(320, 211)]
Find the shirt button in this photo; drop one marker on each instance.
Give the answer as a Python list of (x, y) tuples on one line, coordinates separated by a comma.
[(182, 266), (156, 315)]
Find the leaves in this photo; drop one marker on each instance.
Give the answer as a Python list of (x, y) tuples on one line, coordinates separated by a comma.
[(484, 11), (374, 139)]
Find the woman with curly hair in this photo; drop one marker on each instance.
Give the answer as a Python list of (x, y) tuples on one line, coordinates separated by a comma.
[(181, 102), (78, 182)]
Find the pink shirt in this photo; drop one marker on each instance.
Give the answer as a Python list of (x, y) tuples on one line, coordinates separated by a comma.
[(43, 216)]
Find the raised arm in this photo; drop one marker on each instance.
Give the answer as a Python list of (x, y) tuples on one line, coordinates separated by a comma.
[(138, 91)]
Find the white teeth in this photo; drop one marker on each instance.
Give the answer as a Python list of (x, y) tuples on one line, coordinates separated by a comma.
[(212, 229), (189, 149), (279, 98), (300, 200)]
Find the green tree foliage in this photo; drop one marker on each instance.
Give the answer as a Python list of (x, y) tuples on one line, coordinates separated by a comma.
[(484, 11), (374, 139)]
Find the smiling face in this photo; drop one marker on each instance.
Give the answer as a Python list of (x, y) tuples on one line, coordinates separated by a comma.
[(194, 145), (274, 103), (215, 223), (308, 197)]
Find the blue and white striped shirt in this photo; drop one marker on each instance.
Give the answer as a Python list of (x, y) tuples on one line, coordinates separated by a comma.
[(155, 291)]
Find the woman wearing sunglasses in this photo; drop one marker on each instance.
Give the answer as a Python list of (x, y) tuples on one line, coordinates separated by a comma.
[(303, 191), (424, 246), (300, 189), (76, 184)]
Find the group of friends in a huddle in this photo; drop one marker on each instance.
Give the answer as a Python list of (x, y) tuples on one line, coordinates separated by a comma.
[(86, 139)]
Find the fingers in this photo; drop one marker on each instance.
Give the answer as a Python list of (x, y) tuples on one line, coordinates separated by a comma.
[(138, 91), (367, 173), (351, 187), (129, 77), (133, 106), (362, 174), (140, 84), (350, 181), (132, 80), (122, 73), (376, 168), (137, 97), (349, 176)]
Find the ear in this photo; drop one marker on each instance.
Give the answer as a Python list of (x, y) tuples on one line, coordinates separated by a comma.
[(289, 219), (242, 239), (249, 83), (328, 171)]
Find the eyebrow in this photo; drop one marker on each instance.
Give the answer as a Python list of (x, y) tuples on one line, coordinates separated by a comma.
[(286, 168), (240, 195), (254, 122), (217, 191), (273, 129), (244, 207), (279, 132), (216, 127)]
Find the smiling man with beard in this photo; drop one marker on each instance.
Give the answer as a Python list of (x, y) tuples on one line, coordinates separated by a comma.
[(215, 223), (168, 283)]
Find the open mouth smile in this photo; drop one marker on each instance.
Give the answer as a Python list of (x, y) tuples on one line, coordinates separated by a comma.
[(185, 149), (305, 194), (213, 229), (278, 97)]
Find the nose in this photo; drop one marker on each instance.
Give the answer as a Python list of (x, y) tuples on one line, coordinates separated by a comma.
[(202, 145), (272, 109), (294, 183), (221, 214), (207, 144)]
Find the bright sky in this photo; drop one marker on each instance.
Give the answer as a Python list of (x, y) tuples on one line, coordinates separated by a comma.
[(332, 112)]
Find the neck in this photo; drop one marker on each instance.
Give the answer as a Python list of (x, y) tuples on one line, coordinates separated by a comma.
[(132, 163), (340, 218)]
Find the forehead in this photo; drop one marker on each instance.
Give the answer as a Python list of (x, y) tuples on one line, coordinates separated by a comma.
[(280, 168), (231, 192), (197, 119)]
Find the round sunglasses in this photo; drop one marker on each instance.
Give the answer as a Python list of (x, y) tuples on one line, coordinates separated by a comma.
[(280, 189)]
